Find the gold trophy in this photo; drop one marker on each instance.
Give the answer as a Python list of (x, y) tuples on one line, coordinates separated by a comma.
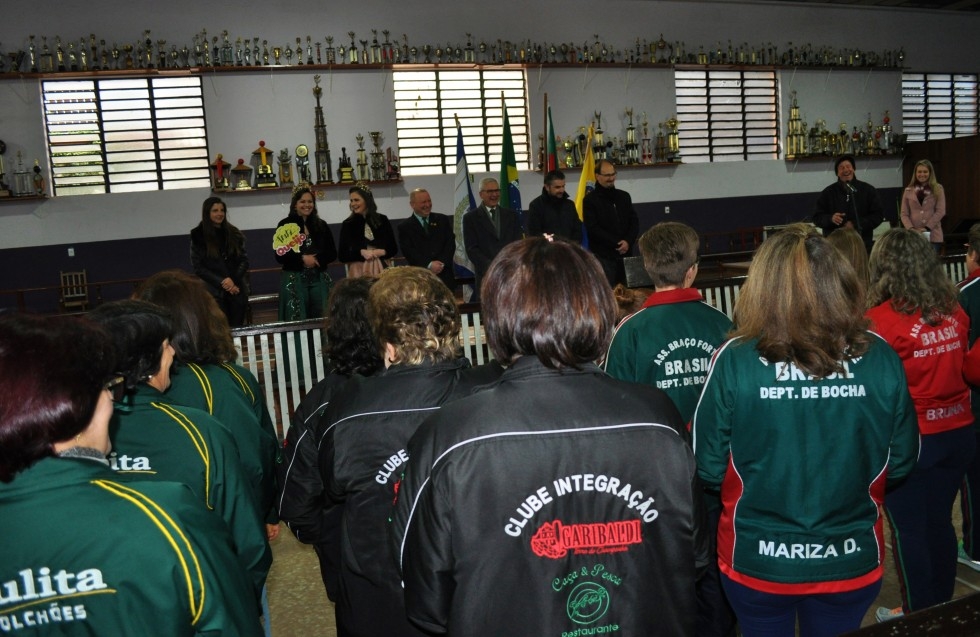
[(264, 177), (285, 167), (345, 171), (241, 176), (379, 167), (673, 140), (220, 174), (362, 163), (303, 163)]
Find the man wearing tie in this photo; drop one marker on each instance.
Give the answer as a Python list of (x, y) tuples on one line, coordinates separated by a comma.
[(426, 238), (487, 229)]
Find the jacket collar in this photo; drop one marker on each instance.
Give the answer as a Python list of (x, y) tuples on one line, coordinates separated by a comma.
[(666, 297)]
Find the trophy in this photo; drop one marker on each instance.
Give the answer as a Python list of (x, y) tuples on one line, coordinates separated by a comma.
[(39, 185), (32, 56), (362, 164), (661, 148), (309, 50), (632, 148), (23, 184), (264, 177), (241, 176), (387, 48), (47, 59), (285, 167), (353, 48), (598, 143), (324, 173), (469, 54), (330, 51), (345, 171), (219, 173), (4, 188), (673, 140), (59, 54), (303, 164), (394, 171), (375, 48), (379, 167), (795, 135)]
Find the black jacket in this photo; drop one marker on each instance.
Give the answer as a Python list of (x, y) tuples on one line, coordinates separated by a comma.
[(861, 207), (554, 215), (215, 269), (319, 242), (551, 501), (481, 240), (421, 248), (363, 437), (610, 218), (352, 239)]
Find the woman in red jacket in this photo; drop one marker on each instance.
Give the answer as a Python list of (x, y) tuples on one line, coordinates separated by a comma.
[(914, 307)]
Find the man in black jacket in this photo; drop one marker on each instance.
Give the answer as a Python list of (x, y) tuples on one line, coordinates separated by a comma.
[(487, 229), (426, 238), (849, 203), (611, 222), (553, 214)]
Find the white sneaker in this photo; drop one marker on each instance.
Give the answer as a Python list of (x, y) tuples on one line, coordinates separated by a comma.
[(964, 559), (884, 614)]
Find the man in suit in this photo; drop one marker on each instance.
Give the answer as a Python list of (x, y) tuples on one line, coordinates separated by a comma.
[(426, 238), (487, 229)]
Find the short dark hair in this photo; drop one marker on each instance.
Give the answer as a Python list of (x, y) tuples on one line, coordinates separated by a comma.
[(669, 250), (351, 346), (550, 300), (138, 329), (52, 372), (201, 332), (842, 159), (552, 176), (973, 238)]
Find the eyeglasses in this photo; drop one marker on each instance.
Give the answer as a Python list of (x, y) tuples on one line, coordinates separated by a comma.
[(490, 192), (607, 174), (117, 388)]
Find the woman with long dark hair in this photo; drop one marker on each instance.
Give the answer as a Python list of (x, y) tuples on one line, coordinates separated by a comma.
[(366, 237), (305, 248), (218, 256)]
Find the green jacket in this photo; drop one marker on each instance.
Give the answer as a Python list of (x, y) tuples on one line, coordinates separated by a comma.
[(225, 392), (182, 444), (802, 465), (87, 552)]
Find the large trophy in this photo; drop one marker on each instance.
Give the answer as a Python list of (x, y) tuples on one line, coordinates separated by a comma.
[(264, 176), (598, 142), (23, 182), (241, 176), (362, 163), (303, 164), (324, 173), (379, 168), (673, 140), (220, 170), (631, 147), (796, 132), (646, 143)]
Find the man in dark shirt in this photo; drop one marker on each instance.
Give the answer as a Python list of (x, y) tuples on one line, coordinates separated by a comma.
[(426, 238), (611, 222), (849, 203), (553, 214), (487, 229)]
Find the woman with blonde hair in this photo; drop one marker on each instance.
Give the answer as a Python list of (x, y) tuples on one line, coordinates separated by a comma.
[(804, 419), (924, 204), (914, 307), (850, 244)]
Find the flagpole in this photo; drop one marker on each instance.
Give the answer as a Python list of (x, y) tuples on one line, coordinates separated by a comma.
[(544, 160)]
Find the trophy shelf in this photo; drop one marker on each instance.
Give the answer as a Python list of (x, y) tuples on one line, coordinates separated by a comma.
[(663, 164), (203, 70), (323, 186), (13, 199)]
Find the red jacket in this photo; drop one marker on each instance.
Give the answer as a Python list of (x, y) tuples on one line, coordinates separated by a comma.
[(933, 357)]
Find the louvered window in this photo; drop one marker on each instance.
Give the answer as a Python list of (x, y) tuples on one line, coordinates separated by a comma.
[(938, 105)]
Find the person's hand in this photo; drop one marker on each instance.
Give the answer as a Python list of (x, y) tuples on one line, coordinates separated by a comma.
[(622, 247), (367, 254), (309, 261), (271, 531), (228, 285), (838, 218), (436, 267)]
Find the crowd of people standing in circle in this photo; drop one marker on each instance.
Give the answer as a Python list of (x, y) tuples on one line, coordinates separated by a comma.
[(666, 470)]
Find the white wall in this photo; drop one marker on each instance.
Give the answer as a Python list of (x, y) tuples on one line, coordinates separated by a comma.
[(277, 107)]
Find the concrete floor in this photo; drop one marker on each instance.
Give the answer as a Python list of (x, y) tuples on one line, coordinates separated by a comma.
[(299, 605)]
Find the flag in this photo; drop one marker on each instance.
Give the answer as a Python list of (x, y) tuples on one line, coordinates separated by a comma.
[(551, 151), (586, 183), (464, 201), (510, 194)]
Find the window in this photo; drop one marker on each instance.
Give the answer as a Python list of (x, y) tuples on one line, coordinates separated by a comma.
[(727, 115), (938, 106), (426, 103), (125, 135)]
